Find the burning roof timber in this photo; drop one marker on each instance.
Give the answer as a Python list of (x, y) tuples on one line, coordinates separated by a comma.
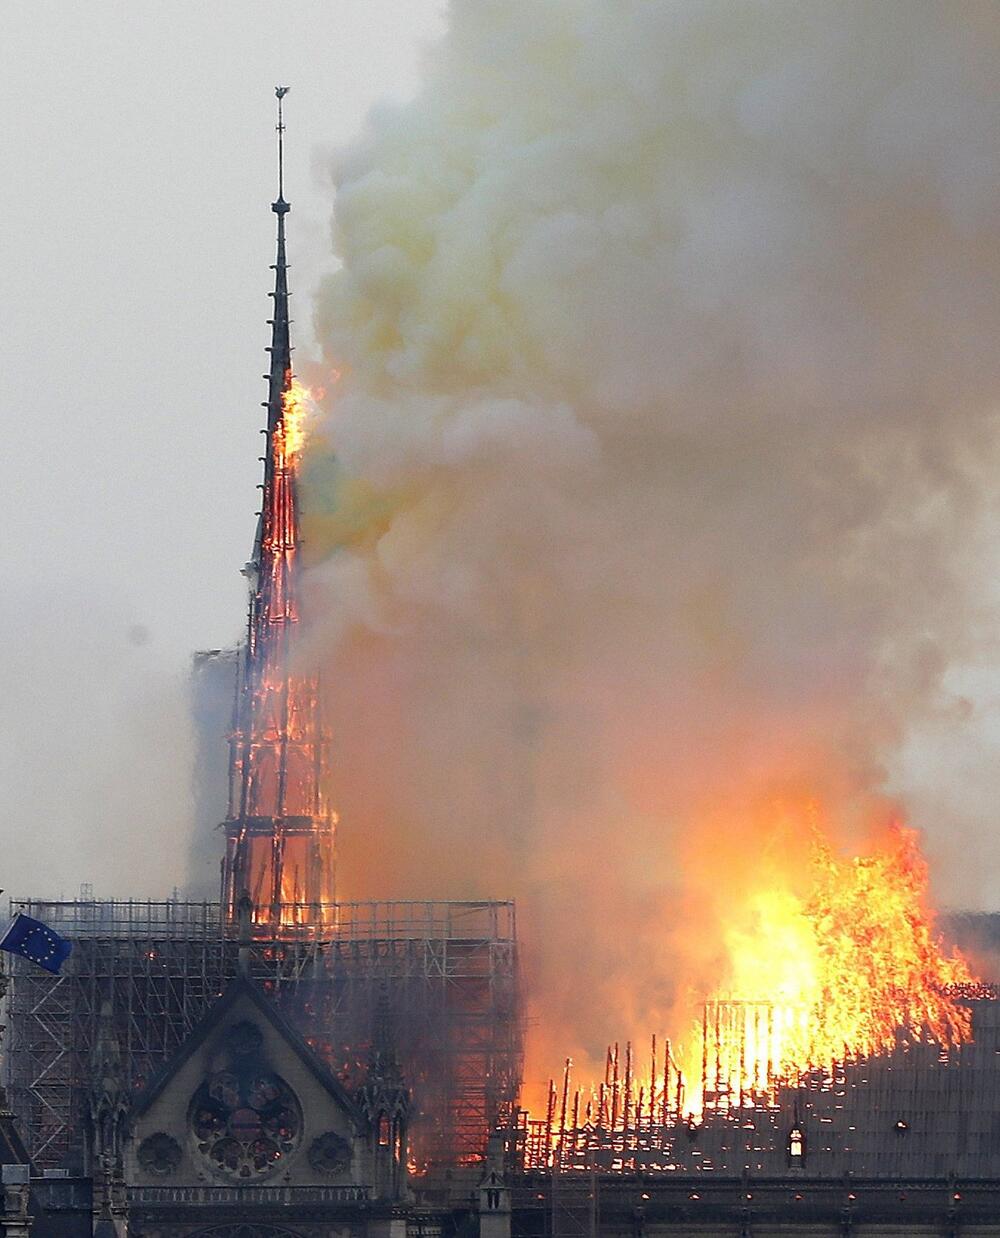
[(919, 1109)]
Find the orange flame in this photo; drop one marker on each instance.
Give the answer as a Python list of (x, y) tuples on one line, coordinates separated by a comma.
[(296, 411), (280, 827), (845, 970), (823, 962)]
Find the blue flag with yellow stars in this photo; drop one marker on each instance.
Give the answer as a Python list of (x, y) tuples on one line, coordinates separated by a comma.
[(33, 940)]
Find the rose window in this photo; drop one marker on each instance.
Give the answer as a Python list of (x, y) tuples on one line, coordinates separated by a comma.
[(245, 1121), (159, 1154), (329, 1153)]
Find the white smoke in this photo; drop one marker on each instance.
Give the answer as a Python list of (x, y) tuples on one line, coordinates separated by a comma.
[(665, 447)]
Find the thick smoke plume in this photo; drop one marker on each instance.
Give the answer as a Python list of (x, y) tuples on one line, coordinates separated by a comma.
[(661, 459)]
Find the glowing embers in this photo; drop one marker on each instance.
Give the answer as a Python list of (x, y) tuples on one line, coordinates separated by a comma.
[(275, 769), (287, 866)]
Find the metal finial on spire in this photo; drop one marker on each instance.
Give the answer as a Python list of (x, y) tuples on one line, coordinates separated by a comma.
[(281, 206)]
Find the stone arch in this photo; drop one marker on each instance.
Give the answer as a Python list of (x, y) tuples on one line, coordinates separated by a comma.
[(245, 1230)]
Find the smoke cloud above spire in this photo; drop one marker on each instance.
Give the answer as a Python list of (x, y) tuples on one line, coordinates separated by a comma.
[(662, 458)]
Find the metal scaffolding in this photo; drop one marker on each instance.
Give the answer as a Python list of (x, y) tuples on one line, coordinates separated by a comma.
[(449, 970)]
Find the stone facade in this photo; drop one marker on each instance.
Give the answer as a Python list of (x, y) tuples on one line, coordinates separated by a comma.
[(246, 1135)]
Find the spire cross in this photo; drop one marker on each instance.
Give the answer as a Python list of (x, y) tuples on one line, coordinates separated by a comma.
[(280, 92)]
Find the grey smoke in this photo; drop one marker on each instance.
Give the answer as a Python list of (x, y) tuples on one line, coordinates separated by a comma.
[(665, 452)]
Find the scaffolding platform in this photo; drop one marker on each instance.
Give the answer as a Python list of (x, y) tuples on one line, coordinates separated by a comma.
[(449, 970)]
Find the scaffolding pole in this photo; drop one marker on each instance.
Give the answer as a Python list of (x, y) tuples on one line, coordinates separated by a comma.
[(450, 969)]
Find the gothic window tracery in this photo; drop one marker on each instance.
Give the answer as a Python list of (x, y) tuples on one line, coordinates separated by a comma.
[(159, 1154), (245, 1119), (245, 1231), (329, 1153)]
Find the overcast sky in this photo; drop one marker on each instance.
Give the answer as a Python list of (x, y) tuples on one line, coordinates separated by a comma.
[(138, 144), (138, 149)]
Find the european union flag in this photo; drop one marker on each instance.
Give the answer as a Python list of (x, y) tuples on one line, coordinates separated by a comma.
[(33, 940)]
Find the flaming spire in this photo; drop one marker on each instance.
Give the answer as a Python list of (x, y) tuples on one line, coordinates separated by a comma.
[(279, 828)]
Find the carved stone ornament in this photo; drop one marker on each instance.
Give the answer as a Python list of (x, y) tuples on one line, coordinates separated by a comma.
[(159, 1154), (245, 1120), (244, 1038), (242, 1230), (329, 1153)]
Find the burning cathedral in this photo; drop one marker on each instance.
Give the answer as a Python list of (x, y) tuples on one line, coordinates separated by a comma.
[(276, 1063)]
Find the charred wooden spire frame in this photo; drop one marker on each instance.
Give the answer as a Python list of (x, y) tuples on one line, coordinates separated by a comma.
[(280, 828)]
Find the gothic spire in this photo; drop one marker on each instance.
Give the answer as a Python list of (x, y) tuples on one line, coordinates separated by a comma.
[(280, 828), (280, 377)]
